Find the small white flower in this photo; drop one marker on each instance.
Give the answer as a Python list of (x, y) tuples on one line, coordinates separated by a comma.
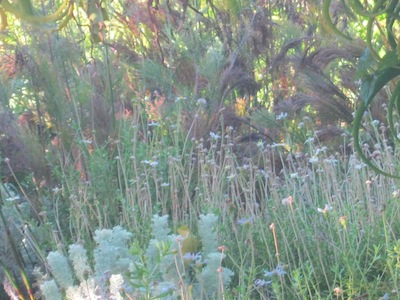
[(309, 140), (56, 190), (153, 124), (214, 136), (360, 166), (179, 99), (202, 102), (331, 160), (230, 177), (313, 160), (325, 210), (281, 116), (153, 164), (85, 141), (288, 201), (12, 199), (274, 145), (375, 123), (164, 184)]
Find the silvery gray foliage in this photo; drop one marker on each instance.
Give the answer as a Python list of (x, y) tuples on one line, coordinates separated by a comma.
[(157, 272), (63, 277), (111, 259), (159, 256), (209, 278), (50, 290), (83, 272), (207, 228), (78, 257), (60, 269), (112, 252), (161, 229), (160, 233)]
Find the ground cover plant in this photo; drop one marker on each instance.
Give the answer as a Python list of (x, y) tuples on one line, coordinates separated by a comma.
[(199, 150)]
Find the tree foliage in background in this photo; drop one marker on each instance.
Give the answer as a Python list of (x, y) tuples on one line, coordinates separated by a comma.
[(379, 66), (250, 60)]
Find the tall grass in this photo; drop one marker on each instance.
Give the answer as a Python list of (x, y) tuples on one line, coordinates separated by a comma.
[(323, 227)]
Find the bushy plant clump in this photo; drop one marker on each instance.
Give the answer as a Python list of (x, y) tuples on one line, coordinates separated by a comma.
[(324, 226), (122, 270)]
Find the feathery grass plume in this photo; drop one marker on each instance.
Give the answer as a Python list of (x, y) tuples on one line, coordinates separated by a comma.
[(208, 236), (60, 269), (78, 256), (50, 290), (112, 252)]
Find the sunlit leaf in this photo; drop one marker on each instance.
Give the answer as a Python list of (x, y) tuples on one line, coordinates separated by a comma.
[(389, 60), (372, 84)]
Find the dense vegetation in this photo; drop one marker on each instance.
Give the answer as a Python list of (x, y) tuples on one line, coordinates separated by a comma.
[(199, 149)]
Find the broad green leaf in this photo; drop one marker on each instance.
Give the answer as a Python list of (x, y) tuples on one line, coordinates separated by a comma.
[(388, 69), (372, 84), (365, 63)]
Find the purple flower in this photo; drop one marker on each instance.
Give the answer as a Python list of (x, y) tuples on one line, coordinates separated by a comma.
[(196, 257), (279, 271), (258, 283)]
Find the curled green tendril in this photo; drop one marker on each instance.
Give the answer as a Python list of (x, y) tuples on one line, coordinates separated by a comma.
[(360, 10), (328, 21), (24, 11)]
